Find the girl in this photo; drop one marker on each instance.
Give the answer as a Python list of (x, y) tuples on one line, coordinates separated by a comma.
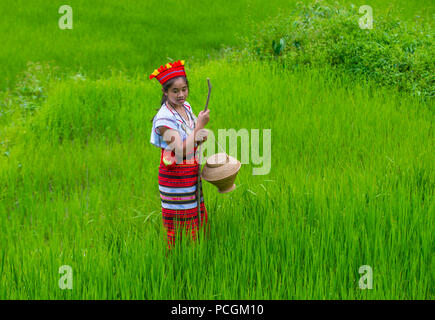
[(178, 133)]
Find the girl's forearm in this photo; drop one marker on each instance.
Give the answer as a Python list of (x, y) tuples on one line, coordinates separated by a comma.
[(187, 146)]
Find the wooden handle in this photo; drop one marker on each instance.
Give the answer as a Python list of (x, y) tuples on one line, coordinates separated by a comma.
[(208, 97)]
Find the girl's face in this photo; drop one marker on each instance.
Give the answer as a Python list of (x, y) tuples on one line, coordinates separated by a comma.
[(178, 92)]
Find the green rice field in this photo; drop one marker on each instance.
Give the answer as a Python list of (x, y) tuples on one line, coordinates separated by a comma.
[(352, 162)]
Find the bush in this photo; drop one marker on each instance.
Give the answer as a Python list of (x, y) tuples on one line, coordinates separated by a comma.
[(393, 53), (24, 101)]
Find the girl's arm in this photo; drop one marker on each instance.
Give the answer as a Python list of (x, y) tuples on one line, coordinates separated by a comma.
[(173, 139), (186, 147)]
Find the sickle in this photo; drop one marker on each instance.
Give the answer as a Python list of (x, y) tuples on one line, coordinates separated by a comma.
[(198, 184)]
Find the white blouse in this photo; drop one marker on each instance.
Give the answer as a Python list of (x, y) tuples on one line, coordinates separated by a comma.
[(168, 118)]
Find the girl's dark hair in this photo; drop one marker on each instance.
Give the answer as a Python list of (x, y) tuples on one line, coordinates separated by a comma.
[(166, 87)]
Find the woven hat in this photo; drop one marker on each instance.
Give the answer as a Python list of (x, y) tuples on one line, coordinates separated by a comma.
[(169, 71), (221, 170)]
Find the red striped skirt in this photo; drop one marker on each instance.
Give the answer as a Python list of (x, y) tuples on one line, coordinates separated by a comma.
[(178, 194)]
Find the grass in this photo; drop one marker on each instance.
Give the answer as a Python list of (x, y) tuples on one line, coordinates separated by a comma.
[(351, 184), (138, 36)]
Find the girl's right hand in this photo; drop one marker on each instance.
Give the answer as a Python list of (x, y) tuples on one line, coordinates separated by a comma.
[(201, 135), (203, 118)]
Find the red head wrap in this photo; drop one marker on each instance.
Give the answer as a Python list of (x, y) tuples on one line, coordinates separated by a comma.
[(169, 71)]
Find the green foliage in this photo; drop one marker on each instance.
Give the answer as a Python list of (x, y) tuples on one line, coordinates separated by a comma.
[(348, 186), (21, 103), (29, 93), (394, 52), (133, 36), (278, 47), (31, 86), (355, 186), (78, 108)]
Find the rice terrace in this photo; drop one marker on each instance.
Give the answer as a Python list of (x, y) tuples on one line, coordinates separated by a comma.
[(314, 136)]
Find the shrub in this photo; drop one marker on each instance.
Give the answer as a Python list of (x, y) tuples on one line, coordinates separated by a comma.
[(394, 52)]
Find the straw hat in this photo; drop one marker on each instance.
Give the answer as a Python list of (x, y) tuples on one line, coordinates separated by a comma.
[(221, 170)]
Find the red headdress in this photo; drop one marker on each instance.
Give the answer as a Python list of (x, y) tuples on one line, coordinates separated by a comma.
[(169, 71)]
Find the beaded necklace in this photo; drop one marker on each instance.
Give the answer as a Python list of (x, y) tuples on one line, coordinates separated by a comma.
[(187, 128)]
